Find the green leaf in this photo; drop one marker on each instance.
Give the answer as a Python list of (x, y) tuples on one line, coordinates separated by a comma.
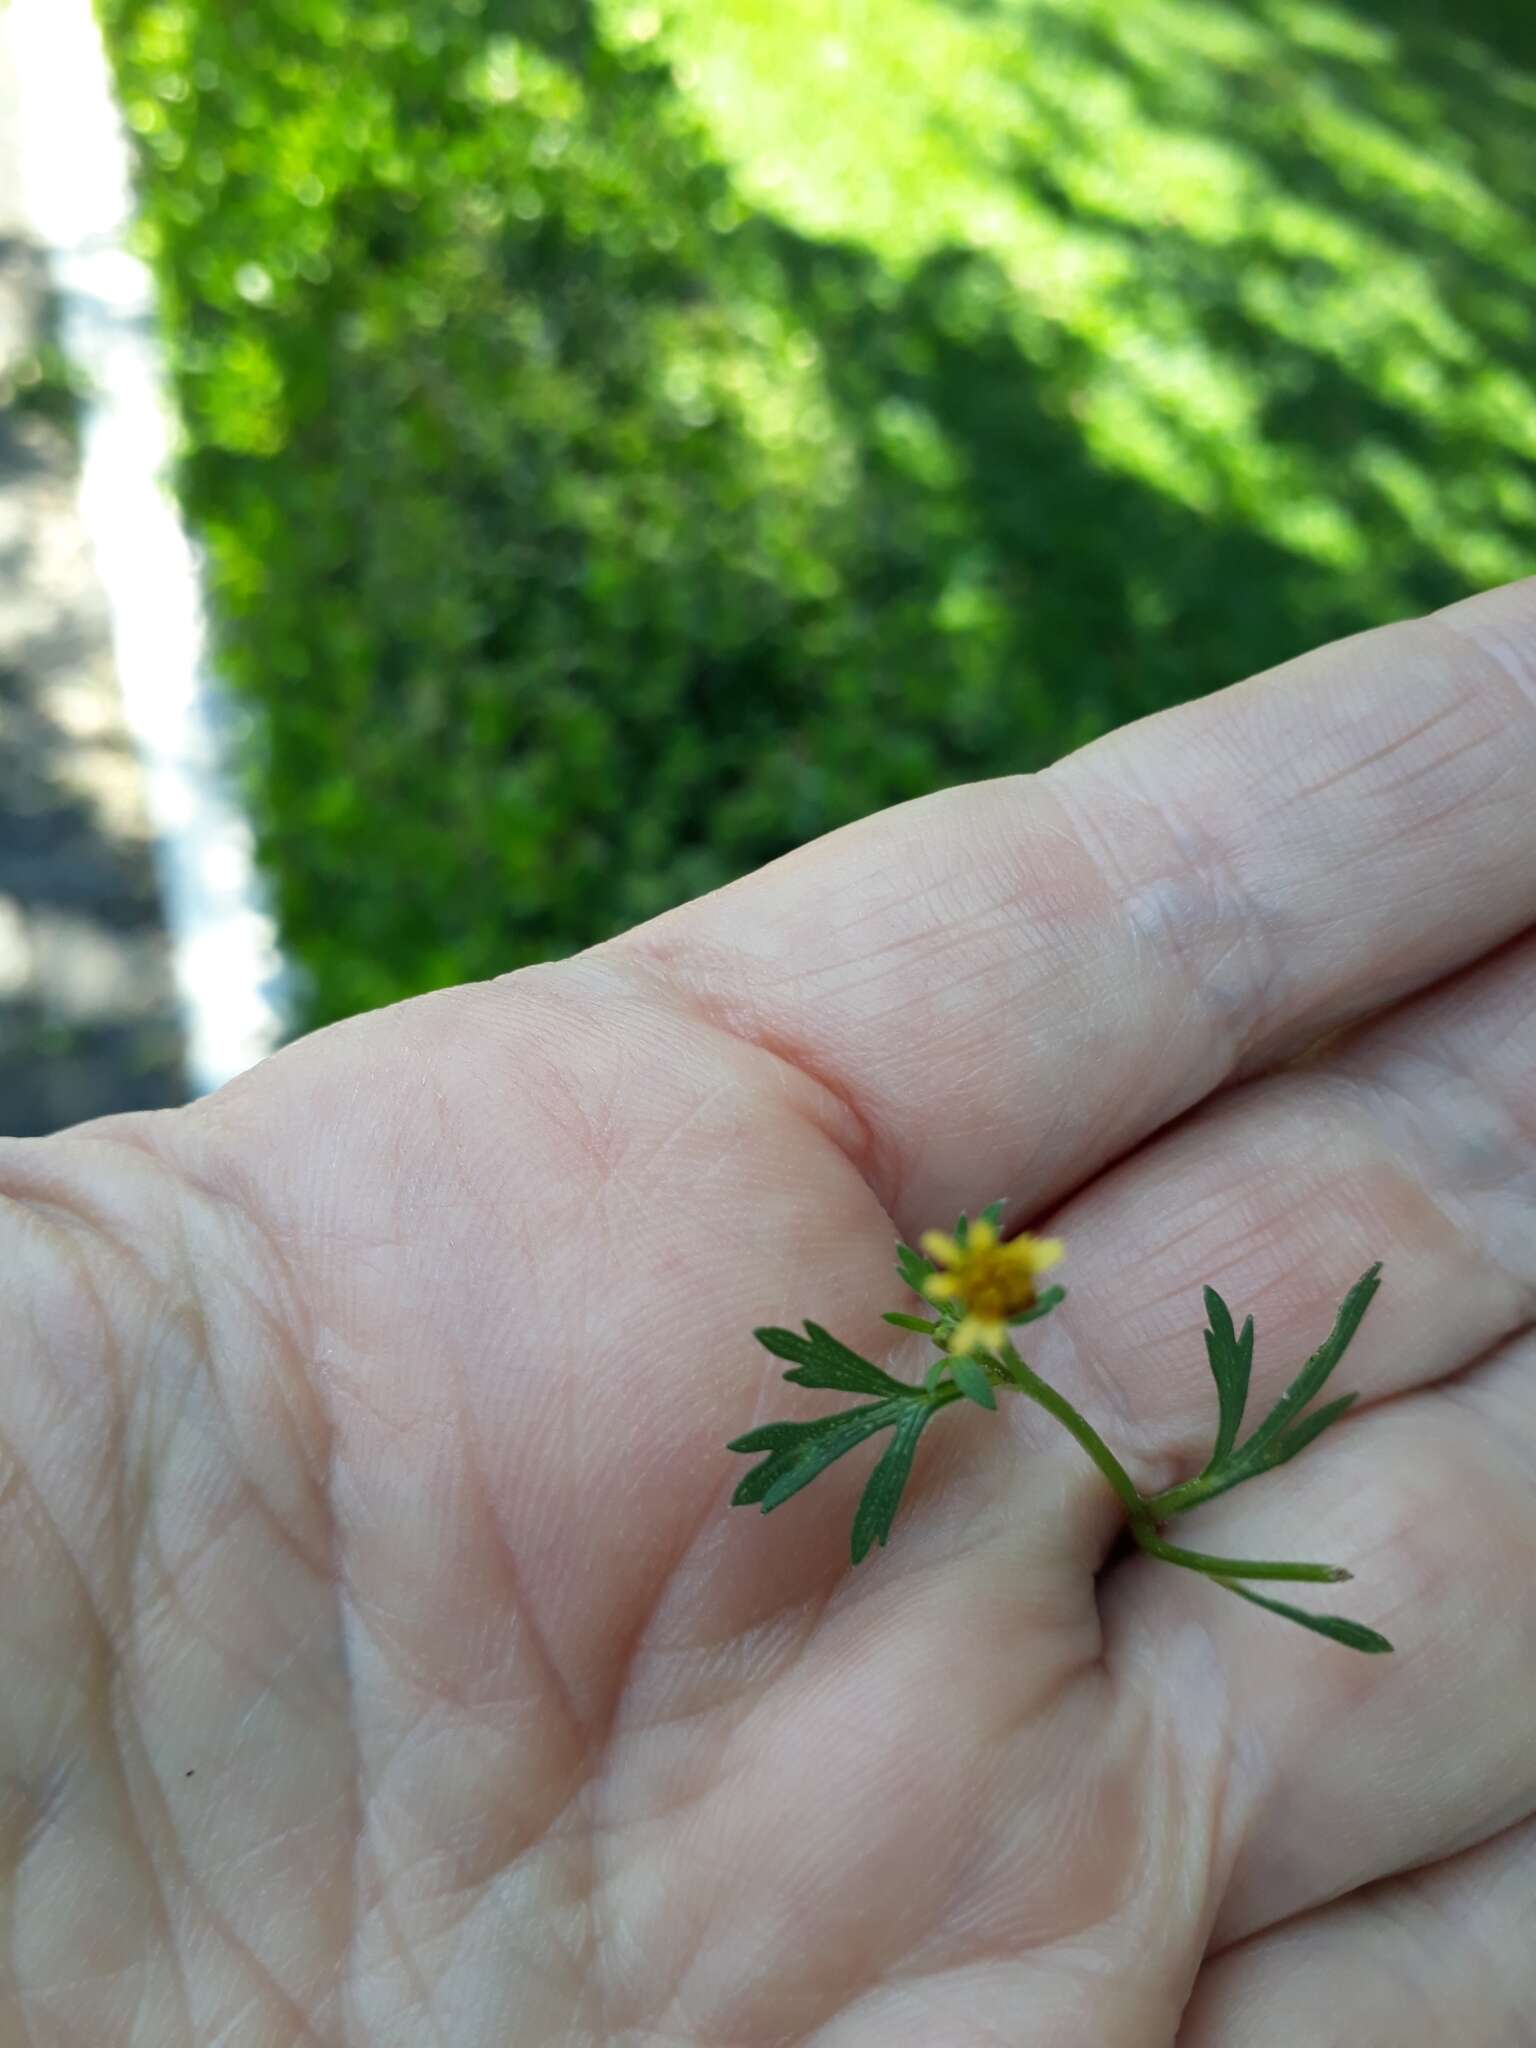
[(927, 1324), (993, 1214), (1313, 1375), (913, 1267), (962, 1229), (821, 1361), (777, 1436), (786, 1344), (802, 1450), (1353, 1634), (788, 1445), (1042, 1306), (760, 1478), (1231, 1359), (1302, 1433), (935, 1372), (972, 1381), (882, 1496)]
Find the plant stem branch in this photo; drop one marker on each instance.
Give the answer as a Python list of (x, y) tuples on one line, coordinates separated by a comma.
[(1234, 1567), (1030, 1383), (1189, 1493), (1177, 1500)]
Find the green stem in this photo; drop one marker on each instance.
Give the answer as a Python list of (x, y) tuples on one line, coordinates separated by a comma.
[(1177, 1500), (1189, 1493), (1053, 1403), (1234, 1567), (1145, 1514)]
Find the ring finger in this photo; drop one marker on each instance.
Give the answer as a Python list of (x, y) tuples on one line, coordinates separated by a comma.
[(1412, 1142)]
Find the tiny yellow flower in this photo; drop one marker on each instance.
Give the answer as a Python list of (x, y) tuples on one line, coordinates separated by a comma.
[(991, 1281)]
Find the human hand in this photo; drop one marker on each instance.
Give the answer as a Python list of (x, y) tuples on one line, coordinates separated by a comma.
[(384, 1666)]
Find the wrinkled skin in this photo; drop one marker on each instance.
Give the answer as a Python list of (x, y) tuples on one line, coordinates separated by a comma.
[(383, 1664)]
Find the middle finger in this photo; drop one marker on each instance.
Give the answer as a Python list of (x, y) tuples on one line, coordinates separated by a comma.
[(1414, 1142)]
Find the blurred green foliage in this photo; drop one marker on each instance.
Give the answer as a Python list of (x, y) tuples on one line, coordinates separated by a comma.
[(630, 439), (44, 383)]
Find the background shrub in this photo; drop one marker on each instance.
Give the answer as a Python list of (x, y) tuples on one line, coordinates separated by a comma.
[(629, 440)]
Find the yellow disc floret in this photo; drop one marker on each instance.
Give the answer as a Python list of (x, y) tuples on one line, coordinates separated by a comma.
[(992, 1282)]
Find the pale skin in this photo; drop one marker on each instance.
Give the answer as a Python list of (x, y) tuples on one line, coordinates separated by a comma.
[(384, 1665)]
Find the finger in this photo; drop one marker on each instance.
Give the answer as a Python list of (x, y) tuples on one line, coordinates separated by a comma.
[(1339, 1768), (1412, 1142), (1011, 984), (1437, 1955)]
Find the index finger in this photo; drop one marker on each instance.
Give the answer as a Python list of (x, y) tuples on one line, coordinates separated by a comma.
[(1010, 984)]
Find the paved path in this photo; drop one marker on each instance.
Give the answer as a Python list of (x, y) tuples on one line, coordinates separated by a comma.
[(88, 1020)]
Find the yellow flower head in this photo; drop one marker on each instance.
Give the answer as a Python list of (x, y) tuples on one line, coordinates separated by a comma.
[(991, 1281)]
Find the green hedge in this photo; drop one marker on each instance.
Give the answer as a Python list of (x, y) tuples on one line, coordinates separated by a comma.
[(628, 441)]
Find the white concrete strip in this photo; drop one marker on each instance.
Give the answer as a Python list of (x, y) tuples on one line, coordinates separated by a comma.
[(229, 976)]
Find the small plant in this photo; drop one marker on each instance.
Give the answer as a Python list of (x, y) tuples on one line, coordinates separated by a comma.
[(980, 1289)]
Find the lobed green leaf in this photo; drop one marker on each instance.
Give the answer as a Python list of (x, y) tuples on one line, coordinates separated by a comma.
[(1300, 1434), (820, 1360), (1314, 1374), (1353, 1634), (788, 1445), (757, 1482), (778, 1436), (882, 1496), (1231, 1358), (800, 1451)]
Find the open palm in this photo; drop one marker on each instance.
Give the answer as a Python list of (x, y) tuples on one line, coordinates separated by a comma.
[(385, 1666)]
